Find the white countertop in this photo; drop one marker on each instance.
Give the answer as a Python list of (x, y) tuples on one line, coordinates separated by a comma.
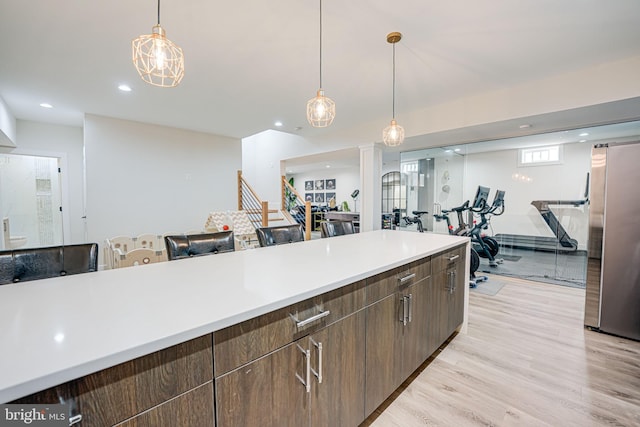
[(56, 330)]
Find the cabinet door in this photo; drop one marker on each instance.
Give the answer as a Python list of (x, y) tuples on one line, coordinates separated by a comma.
[(456, 284), (383, 348), (192, 409), (415, 305), (267, 392), (441, 300), (337, 360), (118, 393)]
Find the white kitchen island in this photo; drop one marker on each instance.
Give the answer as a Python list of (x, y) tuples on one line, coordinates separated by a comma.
[(56, 330)]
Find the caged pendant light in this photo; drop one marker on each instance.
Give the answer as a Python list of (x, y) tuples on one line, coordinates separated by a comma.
[(393, 135), (321, 110), (157, 59)]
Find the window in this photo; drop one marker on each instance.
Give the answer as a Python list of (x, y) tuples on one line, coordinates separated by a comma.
[(547, 155)]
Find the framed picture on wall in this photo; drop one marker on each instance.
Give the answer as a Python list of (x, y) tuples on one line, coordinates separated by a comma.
[(319, 198), (330, 184), (308, 197), (308, 186), (319, 185), (329, 196)]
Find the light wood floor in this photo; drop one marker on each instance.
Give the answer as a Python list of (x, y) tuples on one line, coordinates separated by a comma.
[(526, 360)]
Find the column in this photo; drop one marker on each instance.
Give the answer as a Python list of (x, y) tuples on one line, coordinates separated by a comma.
[(369, 200)]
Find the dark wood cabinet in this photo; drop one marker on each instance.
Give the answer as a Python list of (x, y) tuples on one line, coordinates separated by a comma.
[(316, 379), (397, 328), (448, 294), (267, 392), (191, 409), (337, 397), (116, 394), (415, 327), (382, 351)]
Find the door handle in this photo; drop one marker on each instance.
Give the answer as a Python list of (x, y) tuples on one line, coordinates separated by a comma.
[(405, 309), (407, 277), (305, 322), (318, 373), (453, 281), (410, 303), (305, 381), (75, 419)]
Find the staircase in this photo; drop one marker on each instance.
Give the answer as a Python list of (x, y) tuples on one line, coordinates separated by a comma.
[(261, 215)]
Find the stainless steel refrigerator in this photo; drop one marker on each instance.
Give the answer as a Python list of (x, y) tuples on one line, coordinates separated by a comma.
[(612, 301)]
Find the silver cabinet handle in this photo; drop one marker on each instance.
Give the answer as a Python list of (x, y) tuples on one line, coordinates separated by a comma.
[(318, 373), (410, 300), (405, 309), (453, 258), (407, 277), (305, 381), (453, 281), (451, 287), (305, 322), (75, 419)]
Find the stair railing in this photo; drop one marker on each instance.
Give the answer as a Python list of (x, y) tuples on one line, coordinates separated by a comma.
[(291, 200), (248, 201)]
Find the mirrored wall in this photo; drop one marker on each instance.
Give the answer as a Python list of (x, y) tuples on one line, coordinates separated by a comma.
[(542, 231)]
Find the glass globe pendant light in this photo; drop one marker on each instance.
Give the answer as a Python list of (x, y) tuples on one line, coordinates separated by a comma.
[(321, 110), (393, 135), (157, 59)]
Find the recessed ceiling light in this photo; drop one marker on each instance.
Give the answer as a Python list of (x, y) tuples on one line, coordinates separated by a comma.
[(125, 88), (457, 150), (584, 134), (448, 151), (46, 105), (583, 140), (525, 126), (328, 166), (278, 123)]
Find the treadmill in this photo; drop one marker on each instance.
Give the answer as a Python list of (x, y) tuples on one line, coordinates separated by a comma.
[(562, 242)]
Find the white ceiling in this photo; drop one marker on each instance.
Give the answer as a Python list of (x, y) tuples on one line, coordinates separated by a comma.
[(252, 62)]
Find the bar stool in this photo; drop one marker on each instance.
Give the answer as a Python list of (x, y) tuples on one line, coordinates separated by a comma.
[(280, 235), (186, 246)]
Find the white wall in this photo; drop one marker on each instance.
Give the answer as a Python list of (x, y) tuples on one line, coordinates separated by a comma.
[(64, 142), (448, 171), (144, 178), (7, 126), (347, 180), (261, 156)]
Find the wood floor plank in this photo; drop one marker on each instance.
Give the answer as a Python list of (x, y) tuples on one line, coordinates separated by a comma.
[(526, 360)]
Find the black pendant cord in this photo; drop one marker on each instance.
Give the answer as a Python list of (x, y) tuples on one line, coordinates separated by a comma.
[(320, 44), (158, 12)]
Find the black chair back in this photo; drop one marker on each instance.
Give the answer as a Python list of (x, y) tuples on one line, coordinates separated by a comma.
[(280, 235), (22, 265), (186, 246), (336, 228)]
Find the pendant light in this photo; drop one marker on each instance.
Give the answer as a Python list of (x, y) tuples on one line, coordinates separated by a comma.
[(321, 110), (393, 135), (157, 59)]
